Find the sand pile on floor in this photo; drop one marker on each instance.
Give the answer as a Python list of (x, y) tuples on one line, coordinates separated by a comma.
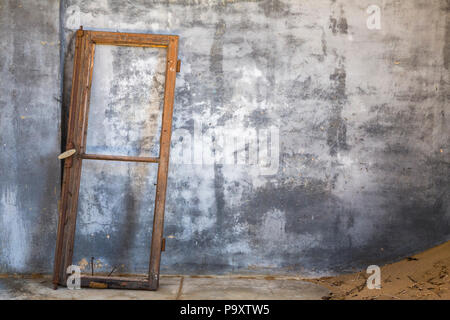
[(422, 276)]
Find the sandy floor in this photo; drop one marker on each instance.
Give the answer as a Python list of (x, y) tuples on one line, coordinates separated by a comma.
[(424, 276)]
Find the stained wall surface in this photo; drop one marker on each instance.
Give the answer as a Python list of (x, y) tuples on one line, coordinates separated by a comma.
[(30, 113), (310, 137)]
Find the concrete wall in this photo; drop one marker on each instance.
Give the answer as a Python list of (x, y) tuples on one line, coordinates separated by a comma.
[(30, 95), (304, 142)]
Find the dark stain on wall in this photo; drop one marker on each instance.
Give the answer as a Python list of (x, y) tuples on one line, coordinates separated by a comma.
[(446, 49), (338, 24), (274, 8), (216, 65), (337, 129)]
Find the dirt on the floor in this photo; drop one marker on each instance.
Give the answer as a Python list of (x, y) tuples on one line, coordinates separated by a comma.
[(424, 276)]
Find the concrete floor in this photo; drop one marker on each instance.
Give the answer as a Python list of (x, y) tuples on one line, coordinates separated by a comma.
[(171, 287)]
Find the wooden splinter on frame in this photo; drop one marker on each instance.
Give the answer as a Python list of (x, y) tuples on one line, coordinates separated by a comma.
[(75, 154), (67, 154)]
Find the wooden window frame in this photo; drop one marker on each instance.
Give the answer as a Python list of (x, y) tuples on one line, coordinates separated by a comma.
[(76, 139)]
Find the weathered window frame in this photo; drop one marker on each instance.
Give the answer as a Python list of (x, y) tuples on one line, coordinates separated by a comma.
[(76, 139)]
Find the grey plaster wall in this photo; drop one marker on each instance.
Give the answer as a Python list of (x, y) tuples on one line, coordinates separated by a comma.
[(357, 167), (304, 142), (30, 95)]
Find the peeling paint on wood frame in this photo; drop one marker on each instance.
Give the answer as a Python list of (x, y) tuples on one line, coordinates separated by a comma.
[(76, 139)]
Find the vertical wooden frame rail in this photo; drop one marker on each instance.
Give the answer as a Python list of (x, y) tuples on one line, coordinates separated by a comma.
[(76, 139)]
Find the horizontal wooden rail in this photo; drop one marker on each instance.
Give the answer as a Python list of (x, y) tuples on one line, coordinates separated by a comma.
[(118, 158), (131, 39), (101, 282)]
